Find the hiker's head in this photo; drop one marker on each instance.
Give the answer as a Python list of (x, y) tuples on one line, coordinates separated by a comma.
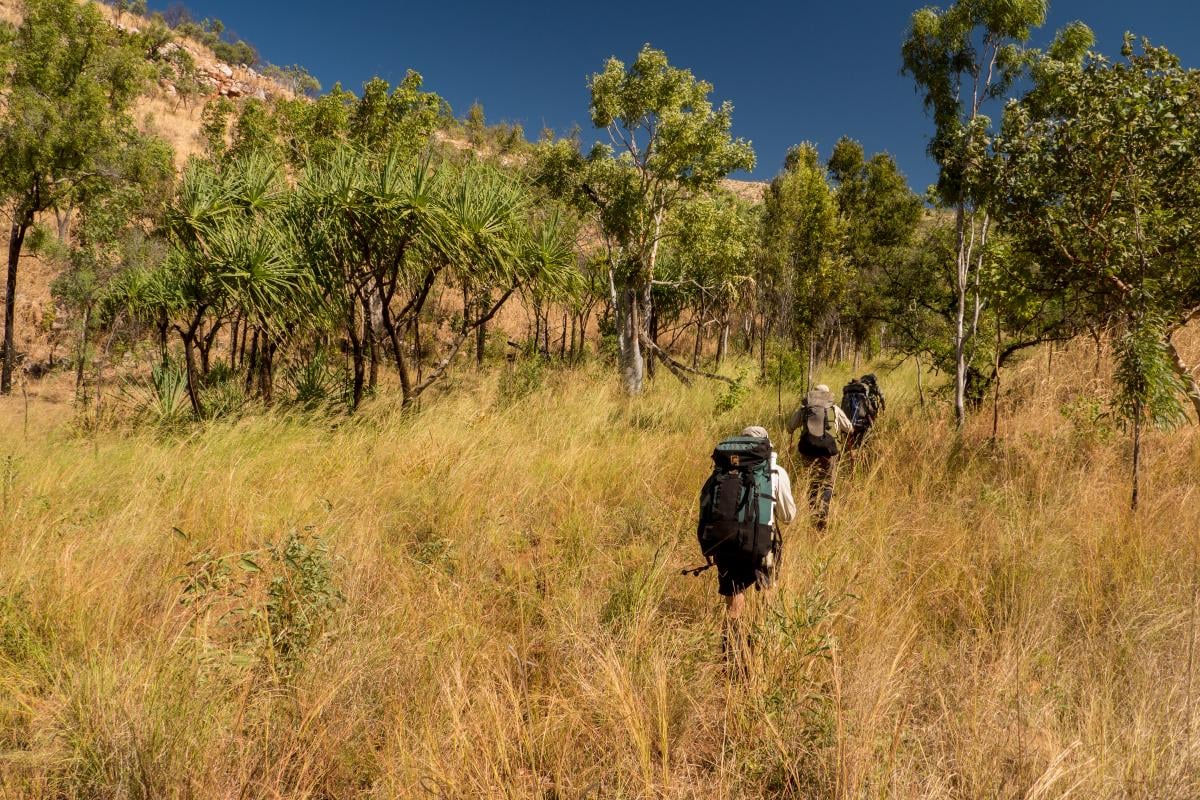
[(820, 387), (757, 431), (869, 378)]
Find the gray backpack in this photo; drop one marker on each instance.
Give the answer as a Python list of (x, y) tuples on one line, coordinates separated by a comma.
[(820, 424)]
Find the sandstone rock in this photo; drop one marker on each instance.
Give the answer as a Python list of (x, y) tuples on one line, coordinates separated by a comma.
[(225, 70)]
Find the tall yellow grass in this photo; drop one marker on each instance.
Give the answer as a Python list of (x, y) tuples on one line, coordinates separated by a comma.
[(981, 620)]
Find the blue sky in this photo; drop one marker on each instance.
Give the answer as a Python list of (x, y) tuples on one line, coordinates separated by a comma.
[(796, 71)]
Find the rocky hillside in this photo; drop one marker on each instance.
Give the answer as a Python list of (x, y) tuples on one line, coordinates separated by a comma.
[(175, 116)]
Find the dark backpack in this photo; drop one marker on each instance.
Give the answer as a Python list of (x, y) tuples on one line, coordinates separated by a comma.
[(856, 402), (876, 398), (817, 438), (736, 501)]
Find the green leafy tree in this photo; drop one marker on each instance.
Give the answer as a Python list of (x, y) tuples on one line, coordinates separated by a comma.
[(313, 131), (214, 127), (880, 216), (295, 78), (1099, 187), (806, 275), (396, 118), (667, 143), (709, 262), (71, 79), (475, 124), (114, 234), (256, 131), (961, 58)]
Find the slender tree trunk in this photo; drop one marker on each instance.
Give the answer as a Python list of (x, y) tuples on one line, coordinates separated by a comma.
[(812, 359), (83, 348), (189, 360), (996, 378), (920, 384), (241, 355), (630, 351), (16, 239), (723, 342), (164, 326), (204, 344), (1137, 452), (960, 311), (762, 346), (481, 342), (266, 370), (253, 365), (653, 333), (398, 353), (233, 342), (357, 359)]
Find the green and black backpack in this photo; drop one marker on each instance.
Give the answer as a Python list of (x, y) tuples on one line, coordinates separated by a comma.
[(736, 501)]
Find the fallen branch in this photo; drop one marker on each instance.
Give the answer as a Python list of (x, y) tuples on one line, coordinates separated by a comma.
[(678, 369)]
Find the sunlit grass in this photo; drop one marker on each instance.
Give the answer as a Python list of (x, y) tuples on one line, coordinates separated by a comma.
[(982, 619)]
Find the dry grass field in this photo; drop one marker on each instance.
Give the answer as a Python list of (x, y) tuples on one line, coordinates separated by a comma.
[(483, 599)]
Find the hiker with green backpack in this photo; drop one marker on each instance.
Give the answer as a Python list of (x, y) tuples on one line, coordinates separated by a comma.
[(742, 504), (820, 421)]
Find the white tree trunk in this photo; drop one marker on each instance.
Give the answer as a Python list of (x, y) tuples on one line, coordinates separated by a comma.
[(630, 321)]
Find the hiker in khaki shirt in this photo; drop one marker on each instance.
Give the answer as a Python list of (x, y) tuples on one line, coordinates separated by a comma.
[(820, 421)]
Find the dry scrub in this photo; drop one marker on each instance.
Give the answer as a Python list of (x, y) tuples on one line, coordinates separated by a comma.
[(500, 612)]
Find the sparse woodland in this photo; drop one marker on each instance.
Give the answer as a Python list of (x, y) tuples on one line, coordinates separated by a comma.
[(356, 454)]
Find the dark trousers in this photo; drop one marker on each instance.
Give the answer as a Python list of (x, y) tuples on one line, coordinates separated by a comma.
[(822, 474)]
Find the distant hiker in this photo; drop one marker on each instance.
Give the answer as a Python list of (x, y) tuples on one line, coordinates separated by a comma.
[(880, 404), (862, 402), (820, 421), (741, 505)]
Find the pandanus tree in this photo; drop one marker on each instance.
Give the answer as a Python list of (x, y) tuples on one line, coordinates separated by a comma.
[(381, 232), (230, 253)]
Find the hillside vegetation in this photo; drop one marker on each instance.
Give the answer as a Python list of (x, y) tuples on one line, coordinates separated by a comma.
[(483, 599), (352, 449)]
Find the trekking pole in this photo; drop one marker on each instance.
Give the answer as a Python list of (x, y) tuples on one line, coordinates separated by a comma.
[(695, 571)]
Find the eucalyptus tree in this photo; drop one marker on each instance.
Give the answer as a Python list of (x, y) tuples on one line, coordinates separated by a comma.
[(805, 275), (113, 232), (400, 117), (1101, 186), (961, 58), (666, 143), (880, 215), (710, 256), (70, 80)]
